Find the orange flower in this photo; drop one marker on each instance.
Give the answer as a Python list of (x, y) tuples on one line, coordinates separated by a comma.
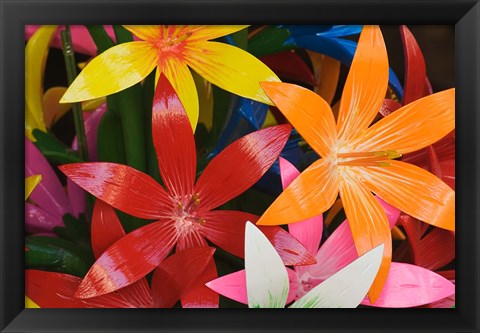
[(357, 160)]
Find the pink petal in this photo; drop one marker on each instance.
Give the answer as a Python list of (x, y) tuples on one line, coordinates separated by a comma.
[(49, 194), (308, 232), (37, 220), (409, 286), (234, 286)]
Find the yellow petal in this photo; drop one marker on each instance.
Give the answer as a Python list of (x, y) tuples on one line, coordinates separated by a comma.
[(208, 32), (414, 191), (145, 32), (36, 52), (30, 183), (369, 225), (231, 69), (116, 69), (307, 112), (414, 126), (327, 73), (53, 110), (310, 194), (269, 120), (366, 84), (205, 100), (29, 304), (182, 81)]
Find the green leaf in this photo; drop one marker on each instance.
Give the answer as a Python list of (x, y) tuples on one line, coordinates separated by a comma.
[(241, 38), (122, 34), (109, 137), (100, 37), (41, 254), (54, 150), (270, 40), (221, 101)]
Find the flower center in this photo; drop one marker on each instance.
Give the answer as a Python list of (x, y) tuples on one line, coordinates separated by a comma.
[(171, 42), (185, 214), (375, 158)]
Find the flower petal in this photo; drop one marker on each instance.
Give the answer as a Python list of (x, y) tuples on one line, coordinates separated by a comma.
[(327, 72), (231, 69), (234, 286), (208, 32), (173, 140), (30, 183), (414, 126), (198, 295), (240, 165), (122, 187), (182, 81), (52, 109), (177, 273), (36, 52), (307, 112), (415, 191), (225, 227), (366, 84), (146, 32), (409, 286), (128, 259), (49, 193), (37, 220), (266, 276), (309, 195), (415, 69), (348, 287), (116, 69), (308, 232), (55, 290), (369, 225), (290, 66)]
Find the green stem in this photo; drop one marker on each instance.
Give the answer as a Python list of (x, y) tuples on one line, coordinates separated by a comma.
[(69, 57)]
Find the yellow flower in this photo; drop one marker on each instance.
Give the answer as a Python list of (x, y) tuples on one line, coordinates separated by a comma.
[(172, 49)]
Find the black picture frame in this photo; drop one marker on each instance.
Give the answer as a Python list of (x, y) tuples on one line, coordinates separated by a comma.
[(16, 13)]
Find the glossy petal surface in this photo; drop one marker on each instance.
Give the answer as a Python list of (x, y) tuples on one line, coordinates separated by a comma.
[(116, 69), (173, 141), (199, 295), (240, 165), (37, 220), (310, 194), (414, 126), (231, 69), (410, 286), (348, 287), (55, 290), (414, 191), (369, 225), (266, 276), (122, 187), (308, 232), (129, 259), (306, 111), (177, 273), (361, 101)]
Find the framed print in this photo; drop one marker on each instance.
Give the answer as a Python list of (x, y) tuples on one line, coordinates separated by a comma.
[(241, 156)]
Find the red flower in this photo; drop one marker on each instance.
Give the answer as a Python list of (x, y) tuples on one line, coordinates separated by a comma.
[(184, 212), (170, 280)]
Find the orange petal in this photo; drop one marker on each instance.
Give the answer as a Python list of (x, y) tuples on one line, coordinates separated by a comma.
[(310, 194), (415, 191), (414, 126), (366, 84), (52, 109), (307, 112), (369, 226), (327, 73)]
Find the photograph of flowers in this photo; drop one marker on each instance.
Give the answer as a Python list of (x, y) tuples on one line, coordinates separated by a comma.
[(236, 166)]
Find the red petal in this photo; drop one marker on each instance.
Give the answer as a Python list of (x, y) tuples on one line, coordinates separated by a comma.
[(226, 229), (122, 187), (290, 66), (106, 228), (177, 273), (129, 259), (199, 295), (416, 73), (433, 161), (55, 290), (388, 106), (448, 172), (240, 165), (173, 140)]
